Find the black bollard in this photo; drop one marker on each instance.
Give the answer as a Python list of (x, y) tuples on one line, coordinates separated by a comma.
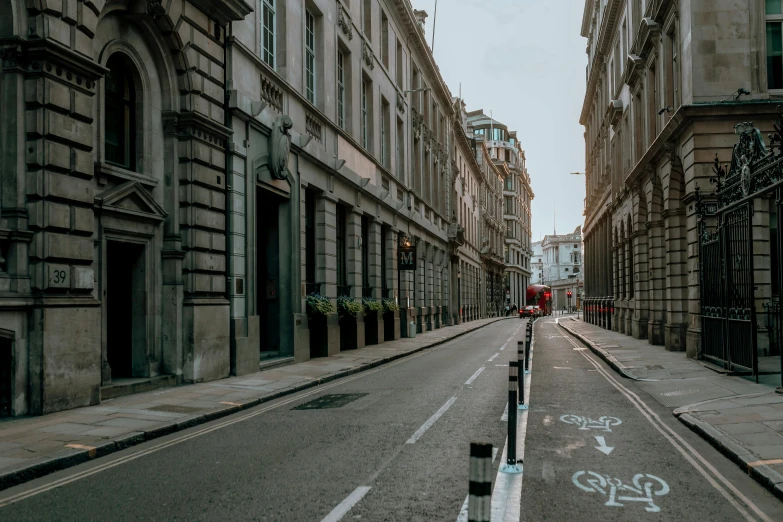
[(480, 486)]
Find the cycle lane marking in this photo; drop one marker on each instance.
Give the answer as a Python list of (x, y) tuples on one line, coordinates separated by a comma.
[(673, 438)]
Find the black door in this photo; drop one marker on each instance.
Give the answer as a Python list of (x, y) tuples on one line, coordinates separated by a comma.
[(5, 377), (268, 271)]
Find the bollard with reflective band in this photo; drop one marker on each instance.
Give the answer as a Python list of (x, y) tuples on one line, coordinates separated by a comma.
[(480, 486), (511, 465)]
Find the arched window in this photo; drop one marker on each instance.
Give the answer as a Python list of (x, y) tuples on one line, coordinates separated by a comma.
[(119, 113)]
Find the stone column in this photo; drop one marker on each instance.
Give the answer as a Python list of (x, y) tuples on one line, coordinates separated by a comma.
[(640, 258), (655, 326)]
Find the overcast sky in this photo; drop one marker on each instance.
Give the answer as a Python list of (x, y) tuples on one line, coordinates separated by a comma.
[(525, 61)]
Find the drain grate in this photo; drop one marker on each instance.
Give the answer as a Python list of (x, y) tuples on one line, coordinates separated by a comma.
[(654, 367), (175, 408), (336, 400)]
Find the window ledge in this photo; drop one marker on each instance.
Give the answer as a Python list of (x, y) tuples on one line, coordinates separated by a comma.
[(103, 170)]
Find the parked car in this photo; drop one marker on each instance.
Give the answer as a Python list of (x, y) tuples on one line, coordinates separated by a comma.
[(528, 311)]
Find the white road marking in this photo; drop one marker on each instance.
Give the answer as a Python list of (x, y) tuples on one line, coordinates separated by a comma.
[(197, 433), (427, 425), (562, 368), (685, 449), (643, 487), (345, 506), (504, 417), (474, 376), (586, 423), (493, 357), (602, 447)]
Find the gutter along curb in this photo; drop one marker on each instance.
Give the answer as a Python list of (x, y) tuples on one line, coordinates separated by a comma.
[(78, 454)]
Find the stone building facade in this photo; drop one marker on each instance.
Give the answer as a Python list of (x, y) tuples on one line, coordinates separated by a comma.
[(505, 152), (667, 81), (178, 176), (114, 195), (537, 263), (561, 268)]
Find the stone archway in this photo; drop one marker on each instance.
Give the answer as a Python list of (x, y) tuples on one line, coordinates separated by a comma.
[(676, 255)]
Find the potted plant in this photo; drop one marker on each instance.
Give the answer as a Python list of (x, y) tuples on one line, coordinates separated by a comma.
[(373, 321), (318, 308), (350, 311), (391, 320)]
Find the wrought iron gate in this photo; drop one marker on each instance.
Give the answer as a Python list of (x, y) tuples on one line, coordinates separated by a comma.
[(727, 287)]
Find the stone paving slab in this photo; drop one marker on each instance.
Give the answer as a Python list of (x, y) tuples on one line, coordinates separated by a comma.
[(741, 418), (31, 447)]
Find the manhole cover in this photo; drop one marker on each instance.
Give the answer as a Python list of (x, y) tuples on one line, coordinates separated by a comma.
[(654, 367), (175, 408), (336, 400)]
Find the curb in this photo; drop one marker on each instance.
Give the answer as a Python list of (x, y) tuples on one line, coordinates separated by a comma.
[(70, 457), (749, 463), (603, 354)]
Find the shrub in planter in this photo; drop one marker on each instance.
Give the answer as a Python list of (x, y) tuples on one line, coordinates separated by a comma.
[(372, 305), (348, 308), (318, 306), (390, 313), (373, 309)]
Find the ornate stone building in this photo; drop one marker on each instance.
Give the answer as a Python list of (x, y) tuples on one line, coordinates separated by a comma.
[(667, 81)]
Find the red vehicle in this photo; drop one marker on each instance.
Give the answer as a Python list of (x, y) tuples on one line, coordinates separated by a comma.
[(540, 296)]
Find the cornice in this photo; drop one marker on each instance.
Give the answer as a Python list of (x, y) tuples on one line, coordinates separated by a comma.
[(224, 11)]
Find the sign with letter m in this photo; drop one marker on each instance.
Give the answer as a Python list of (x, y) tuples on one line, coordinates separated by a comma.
[(407, 258)]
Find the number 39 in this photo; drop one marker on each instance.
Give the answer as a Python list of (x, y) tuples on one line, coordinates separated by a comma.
[(59, 276)]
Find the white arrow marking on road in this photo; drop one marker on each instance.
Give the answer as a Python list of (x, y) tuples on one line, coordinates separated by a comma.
[(602, 447)]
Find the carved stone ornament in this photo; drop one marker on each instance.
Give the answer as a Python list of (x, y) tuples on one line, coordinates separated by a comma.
[(400, 103), (344, 22), (279, 146), (367, 55)]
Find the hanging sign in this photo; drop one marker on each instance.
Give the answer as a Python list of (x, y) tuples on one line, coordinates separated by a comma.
[(406, 258)]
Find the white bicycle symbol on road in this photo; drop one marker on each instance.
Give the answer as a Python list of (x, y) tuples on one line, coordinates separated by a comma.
[(644, 487), (586, 423)]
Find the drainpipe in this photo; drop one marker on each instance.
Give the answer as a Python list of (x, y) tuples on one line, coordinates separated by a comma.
[(229, 166)]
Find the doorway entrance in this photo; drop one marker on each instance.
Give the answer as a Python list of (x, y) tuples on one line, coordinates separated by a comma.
[(125, 309), (268, 271), (5, 377)]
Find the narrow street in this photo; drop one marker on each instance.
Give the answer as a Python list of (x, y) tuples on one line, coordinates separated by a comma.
[(599, 446), (394, 441)]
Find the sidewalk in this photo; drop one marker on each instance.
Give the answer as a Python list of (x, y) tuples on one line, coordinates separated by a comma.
[(742, 419), (31, 447)]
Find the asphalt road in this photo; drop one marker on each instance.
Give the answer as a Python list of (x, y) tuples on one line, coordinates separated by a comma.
[(396, 448), (656, 468)]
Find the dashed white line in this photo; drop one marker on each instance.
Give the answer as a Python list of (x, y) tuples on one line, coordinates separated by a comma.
[(493, 357), (345, 506), (474, 376), (427, 425)]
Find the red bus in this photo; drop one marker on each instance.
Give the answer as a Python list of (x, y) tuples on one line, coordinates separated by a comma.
[(541, 296)]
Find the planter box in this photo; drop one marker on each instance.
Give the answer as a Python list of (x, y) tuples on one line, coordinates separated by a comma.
[(319, 326), (373, 328), (351, 332), (391, 326)]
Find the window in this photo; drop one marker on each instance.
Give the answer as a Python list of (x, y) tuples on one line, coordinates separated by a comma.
[(366, 288), (400, 142), (366, 114), (509, 206), (367, 18), (385, 40), (310, 56), (652, 109), (268, 32), (385, 133), (120, 118), (342, 253), (399, 60), (310, 258), (384, 277), (774, 44), (341, 89)]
